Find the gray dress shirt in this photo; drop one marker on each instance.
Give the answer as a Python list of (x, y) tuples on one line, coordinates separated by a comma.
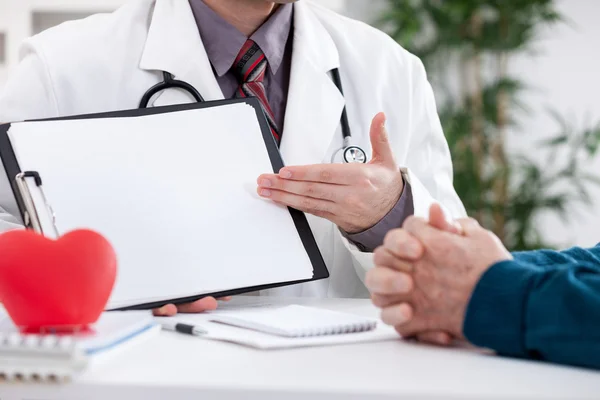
[(223, 43)]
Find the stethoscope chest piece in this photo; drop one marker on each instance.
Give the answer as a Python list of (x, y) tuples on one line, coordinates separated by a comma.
[(354, 154), (351, 154)]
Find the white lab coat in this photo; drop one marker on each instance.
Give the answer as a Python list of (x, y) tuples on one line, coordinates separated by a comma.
[(107, 62)]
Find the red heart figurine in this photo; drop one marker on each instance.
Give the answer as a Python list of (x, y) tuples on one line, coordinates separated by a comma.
[(62, 283)]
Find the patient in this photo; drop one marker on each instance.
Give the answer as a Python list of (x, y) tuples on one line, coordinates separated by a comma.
[(439, 282)]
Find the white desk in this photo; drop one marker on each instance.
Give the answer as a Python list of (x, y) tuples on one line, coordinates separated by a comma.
[(173, 366)]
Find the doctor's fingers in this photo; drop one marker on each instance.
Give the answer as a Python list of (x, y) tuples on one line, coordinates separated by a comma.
[(386, 281), (341, 174), (165, 311), (318, 207), (205, 304), (317, 190)]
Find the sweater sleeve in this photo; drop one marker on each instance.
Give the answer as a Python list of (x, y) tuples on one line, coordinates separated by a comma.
[(550, 259), (544, 306)]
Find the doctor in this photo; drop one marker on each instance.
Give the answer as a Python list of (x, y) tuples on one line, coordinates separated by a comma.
[(286, 55)]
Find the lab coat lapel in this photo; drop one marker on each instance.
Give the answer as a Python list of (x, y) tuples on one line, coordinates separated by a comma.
[(174, 45), (314, 104)]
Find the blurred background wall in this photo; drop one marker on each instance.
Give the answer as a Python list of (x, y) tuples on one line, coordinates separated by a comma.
[(564, 75)]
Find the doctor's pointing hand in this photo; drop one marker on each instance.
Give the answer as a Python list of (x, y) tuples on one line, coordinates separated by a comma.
[(355, 197)]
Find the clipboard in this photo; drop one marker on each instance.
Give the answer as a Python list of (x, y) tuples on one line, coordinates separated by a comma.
[(33, 220)]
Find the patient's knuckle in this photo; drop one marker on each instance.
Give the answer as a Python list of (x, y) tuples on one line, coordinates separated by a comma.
[(393, 238), (378, 300), (435, 293), (443, 246), (418, 274), (422, 274), (391, 235), (410, 222), (379, 257)]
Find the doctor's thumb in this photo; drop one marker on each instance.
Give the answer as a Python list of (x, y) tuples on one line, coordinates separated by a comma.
[(380, 142), (437, 219)]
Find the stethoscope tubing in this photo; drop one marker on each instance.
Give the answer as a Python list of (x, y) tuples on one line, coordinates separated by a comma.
[(170, 83)]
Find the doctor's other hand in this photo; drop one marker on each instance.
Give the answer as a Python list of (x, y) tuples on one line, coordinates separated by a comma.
[(202, 305), (428, 290), (355, 197)]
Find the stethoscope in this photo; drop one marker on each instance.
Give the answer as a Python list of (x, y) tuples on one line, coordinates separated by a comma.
[(350, 153)]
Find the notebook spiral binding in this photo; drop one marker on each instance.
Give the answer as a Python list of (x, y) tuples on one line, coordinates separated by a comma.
[(336, 330), (40, 358)]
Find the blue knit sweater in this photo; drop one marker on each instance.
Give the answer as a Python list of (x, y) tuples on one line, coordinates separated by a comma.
[(543, 305)]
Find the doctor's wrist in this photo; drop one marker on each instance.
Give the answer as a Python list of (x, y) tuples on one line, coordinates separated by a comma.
[(370, 239)]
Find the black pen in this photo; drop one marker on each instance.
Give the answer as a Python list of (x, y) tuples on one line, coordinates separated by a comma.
[(185, 329)]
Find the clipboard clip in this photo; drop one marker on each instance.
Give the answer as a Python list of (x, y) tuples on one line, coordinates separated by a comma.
[(30, 213)]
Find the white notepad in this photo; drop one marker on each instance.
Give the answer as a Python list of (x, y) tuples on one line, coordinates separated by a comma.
[(297, 321)]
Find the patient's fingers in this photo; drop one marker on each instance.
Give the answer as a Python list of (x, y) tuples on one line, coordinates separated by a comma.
[(435, 338), (397, 315), (414, 327), (386, 281), (438, 220), (403, 245), (468, 225), (384, 258), (382, 301)]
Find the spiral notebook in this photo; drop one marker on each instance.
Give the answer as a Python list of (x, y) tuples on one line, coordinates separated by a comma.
[(62, 357), (297, 321), (40, 359), (276, 327)]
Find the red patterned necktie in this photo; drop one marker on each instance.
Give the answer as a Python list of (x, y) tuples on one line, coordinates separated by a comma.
[(250, 67)]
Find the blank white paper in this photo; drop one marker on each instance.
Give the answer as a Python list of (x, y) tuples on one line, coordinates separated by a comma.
[(174, 193)]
